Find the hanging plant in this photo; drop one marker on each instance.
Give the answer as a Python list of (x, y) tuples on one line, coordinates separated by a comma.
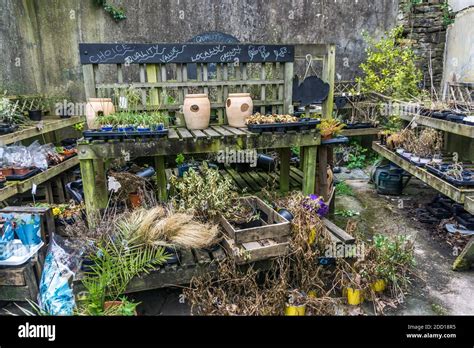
[(117, 13)]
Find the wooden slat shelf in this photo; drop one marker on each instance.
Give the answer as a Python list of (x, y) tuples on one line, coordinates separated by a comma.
[(9, 190), (443, 125), (14, 187), (455, 193), (188, 143), (360, 131), (48, 125)]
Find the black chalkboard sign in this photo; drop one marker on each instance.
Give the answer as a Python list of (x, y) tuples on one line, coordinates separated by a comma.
[(184, 53)]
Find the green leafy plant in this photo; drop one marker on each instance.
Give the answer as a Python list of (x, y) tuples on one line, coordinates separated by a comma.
[(390, 67), (179, 159), (117, 13), (10, 113), (394, 259), (448, 15), (79, 126), (343, 189), (116, 261), (206, 192), (330, 127), (346, 213)]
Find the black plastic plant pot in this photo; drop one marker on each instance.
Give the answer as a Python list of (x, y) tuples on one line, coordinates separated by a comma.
[(286, 214), (265, 162), (250, 224), (173, 256), (35, 115)]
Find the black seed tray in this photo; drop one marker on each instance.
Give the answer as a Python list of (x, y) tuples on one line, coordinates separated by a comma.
[(105, 135), (359, 125), (335, 141), (442, 174), (302, 125), (28, 175)]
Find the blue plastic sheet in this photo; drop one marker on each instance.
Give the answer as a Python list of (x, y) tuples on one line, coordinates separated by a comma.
[(61, 264)]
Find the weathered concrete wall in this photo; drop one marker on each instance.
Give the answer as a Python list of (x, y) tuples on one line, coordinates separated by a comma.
[(42, 36), (459, 56)]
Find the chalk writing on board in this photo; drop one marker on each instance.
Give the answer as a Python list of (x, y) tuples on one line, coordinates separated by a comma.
[(111, 53), (208, 53), (280, 53), (184, 53), (230, 54)]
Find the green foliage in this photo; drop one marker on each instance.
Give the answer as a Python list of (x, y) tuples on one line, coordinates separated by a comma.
[(117, 13), (206, 192), (117, 260), (343, 189), (179, 159), (10, 114), (448, 15), (359, 157), (79, 126), (394, 258), (346, 213), (295, 150), (132, 118), (390, 67)]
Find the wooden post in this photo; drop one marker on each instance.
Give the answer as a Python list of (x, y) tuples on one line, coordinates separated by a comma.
[(323, 186), (329, 69), (161, 178), (466, 258), (285, 154), (309, 169), (95, 188), (151, 75), (288, 89), (89, 80)]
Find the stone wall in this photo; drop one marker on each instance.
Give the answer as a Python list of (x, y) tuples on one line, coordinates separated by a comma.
[(39, 39), (423, 26)]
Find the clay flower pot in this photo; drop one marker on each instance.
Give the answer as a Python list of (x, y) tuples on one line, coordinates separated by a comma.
[(96, 106), (238, 107), (21, 170), (6, 171), (197, 111)]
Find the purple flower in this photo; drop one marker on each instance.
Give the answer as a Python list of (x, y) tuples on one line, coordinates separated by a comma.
[(323, 209)]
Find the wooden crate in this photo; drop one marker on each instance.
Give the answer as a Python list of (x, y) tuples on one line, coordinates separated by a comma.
[(254, 251), (18, 283), (274, 225)]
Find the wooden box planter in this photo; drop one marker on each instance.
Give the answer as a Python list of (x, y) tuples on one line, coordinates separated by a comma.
[(273, 224), (261, 242)]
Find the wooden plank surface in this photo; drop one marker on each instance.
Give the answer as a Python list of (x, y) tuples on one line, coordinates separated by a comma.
[(223, 131), (455, 193), (446, 126), (338, 232), (360, 132), (212, 133), (184, 133), (46, 126)]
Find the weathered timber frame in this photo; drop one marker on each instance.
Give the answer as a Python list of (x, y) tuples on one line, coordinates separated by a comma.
[(271, 90)]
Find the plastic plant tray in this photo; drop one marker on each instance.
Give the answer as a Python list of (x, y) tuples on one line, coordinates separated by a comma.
[(115, 134), (28, 175), (442, 174), (21, 254), (335, 141), (8, 129), (303, 124), (359, 125)]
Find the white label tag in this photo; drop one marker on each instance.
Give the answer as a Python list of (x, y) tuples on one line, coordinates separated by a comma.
[(33, 189), (123, 102)]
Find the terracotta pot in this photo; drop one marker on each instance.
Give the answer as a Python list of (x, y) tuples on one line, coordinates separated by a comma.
[(21, 171), (327, 137), (95, 107), (6, 171), (197, 111), (135, 200), (238, 107)]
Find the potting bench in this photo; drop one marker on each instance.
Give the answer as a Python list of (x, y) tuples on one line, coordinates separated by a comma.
[(158, 70), (47, 128), (459, 137)]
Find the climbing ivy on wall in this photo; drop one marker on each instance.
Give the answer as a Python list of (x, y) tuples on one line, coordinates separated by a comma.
[(117, 13), (390, 67)]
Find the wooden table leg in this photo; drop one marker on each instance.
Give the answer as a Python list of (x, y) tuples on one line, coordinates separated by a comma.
[(466, 258), (161, 178), (323, 185), (309, 169), (285, 155), (94, 182)]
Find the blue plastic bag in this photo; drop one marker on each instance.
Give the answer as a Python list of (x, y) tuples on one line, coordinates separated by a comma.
[(61, 264), (6, 241)]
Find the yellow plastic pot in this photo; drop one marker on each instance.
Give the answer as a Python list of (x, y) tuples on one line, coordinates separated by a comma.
[(312, 236), (354, 297), (295, 310), (379, 285)]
